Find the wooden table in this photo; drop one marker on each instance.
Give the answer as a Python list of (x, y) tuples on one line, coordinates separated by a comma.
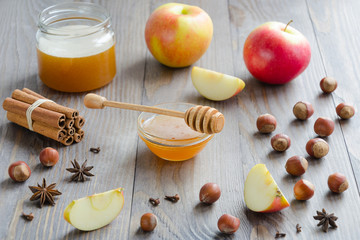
[(124, 161)]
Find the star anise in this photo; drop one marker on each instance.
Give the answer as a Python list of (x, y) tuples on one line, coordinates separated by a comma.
[(326, 219), (44, 193), (80, 171)]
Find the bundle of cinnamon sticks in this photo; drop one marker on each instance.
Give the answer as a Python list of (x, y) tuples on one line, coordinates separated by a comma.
[(50, 119)]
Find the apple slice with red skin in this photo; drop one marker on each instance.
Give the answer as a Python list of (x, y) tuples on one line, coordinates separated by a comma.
[(261, 192)]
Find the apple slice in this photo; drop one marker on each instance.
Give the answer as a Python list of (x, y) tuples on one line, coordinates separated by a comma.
[(96, 211), (261, 191), (215, 86)]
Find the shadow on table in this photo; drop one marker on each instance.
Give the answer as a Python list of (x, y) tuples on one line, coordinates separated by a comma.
[(314, 161), (299, 204), (331, 196), (275, 154), (298, 123), (75, 234), (203, 207), (269, 221), (143, 234), (7, 183), (221, 235), (290, 178), (28, 140)]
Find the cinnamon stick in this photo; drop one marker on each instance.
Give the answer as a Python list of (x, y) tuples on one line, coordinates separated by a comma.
[(68, 140), (25, 97), (77, 137), (81, 133), (79, 122), (46, 117), (69, 123), (50, 132), (71, 131), (31, 92)]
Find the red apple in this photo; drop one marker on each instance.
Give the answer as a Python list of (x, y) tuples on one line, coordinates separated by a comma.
[(276, 53), (177, 35)]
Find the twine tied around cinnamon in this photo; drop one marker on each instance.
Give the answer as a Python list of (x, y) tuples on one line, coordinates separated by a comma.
[(32, 107)]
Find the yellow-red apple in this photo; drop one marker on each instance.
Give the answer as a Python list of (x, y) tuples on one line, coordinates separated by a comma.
[(214, 85), (96, 211), (261, 191), (276, 53), (177, 35)]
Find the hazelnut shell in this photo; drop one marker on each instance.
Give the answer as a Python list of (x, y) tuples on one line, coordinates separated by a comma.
[(324, 126), (345, 111), (49, 157), (209, 193), (328, 84), (303, 110), (228, 224), (148, 222), (338, 183), (317, 147), (266, 123), (280, 142), (303, 190), (19, 171), (296, 165)]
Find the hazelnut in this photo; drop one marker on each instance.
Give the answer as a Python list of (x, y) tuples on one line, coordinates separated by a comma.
[(317, 147), (49, 157), (266, 123), (148, 222), (228, 224), (19, 171), (296, 165), (280, 142), (324, 126), (345, 111), (328, 84), (338, 183), (303, 190), (209, 193), (303, 110)]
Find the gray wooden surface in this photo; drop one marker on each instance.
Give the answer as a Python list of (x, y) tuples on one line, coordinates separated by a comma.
[(124, 161)]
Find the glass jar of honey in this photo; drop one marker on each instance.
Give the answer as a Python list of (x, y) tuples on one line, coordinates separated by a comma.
[(75, 47), (169, 137)]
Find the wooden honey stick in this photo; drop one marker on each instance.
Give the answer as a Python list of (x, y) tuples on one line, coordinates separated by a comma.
[(202, 119)]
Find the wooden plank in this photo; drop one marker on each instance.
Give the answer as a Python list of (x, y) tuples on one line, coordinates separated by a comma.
[(111, 129), (338, 39), (279, 100), (188, 219)]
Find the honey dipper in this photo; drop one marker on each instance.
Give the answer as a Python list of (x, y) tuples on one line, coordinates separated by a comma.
[(202, 119)]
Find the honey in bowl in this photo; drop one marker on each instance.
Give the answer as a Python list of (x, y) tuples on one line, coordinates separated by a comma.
[(170, 138), (75, 47)]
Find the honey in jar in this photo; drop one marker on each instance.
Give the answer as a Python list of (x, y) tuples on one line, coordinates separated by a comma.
[(170, 138), (75, 47)]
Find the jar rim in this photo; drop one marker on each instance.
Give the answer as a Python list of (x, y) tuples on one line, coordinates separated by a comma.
[(49, 14)]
